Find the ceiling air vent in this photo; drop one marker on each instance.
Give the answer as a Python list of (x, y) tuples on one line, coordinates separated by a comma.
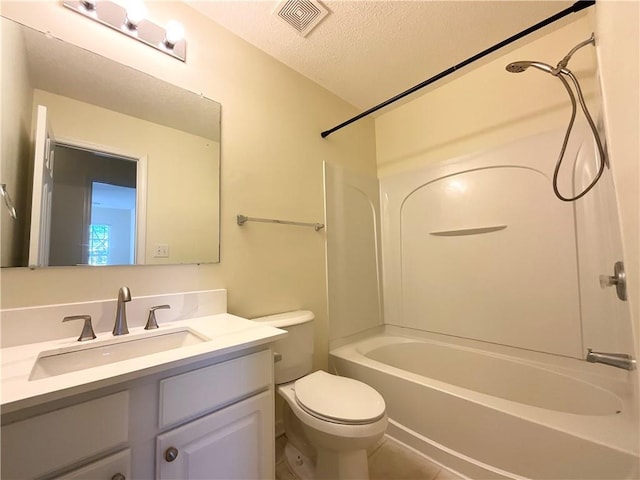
[(302, 15)]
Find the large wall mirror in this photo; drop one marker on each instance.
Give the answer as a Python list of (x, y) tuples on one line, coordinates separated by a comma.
[(106, 165)]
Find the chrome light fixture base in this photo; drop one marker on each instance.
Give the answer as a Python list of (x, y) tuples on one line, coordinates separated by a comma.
[(115, 16)]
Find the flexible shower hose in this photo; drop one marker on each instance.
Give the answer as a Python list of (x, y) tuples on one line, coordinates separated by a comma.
[(594, 130)]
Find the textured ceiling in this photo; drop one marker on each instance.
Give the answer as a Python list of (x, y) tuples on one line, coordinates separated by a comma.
[(368, 51)]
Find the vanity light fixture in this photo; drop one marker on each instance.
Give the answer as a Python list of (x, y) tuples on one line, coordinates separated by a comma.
[(131, 21)]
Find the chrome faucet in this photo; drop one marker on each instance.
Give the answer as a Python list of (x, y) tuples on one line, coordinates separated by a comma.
[(120, 327), (620, 360)]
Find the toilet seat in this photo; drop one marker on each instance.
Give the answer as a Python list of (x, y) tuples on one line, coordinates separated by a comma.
[(338, 399)]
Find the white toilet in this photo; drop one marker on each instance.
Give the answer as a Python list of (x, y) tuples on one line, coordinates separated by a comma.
[(334, 419)]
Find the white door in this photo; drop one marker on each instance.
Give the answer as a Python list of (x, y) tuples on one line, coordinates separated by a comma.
[(42, 192), (233, 443)]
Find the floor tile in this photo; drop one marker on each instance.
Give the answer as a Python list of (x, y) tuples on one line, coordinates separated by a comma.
[(393, 461), (388, 460)]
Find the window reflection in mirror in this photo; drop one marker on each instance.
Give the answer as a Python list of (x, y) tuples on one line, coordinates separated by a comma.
[(113, 208), (171, 135)]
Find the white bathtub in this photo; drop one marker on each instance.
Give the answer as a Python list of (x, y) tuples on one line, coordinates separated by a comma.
[(489, 414)]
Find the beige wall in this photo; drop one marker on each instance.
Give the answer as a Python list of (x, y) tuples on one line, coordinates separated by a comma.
[(15, 97), (485, 106), (271, 158), (182, 173)]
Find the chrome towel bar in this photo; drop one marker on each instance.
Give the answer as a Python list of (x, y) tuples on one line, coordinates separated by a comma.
[(242, 219)]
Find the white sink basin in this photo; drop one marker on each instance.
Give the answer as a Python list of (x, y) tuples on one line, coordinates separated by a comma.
[(79, 357)]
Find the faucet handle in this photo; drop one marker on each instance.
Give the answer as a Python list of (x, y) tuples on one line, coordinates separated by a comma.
[(151, 320), (87, 329)]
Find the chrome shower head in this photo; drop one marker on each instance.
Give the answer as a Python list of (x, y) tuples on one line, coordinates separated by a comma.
[(518, 67)]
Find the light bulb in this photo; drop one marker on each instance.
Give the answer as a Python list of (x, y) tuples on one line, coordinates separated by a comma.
[(174, 33), (136, 12)]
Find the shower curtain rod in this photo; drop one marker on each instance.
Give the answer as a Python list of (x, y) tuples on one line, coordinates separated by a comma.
[(576, 7)]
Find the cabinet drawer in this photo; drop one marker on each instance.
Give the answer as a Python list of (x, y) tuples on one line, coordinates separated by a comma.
[(189, 394), (106, 468), (48, 442)]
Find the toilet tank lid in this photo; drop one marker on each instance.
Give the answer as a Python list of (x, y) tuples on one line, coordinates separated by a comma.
[(287, 319)]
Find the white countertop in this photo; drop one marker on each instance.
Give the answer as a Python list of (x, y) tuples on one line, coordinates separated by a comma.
[(226, 333)]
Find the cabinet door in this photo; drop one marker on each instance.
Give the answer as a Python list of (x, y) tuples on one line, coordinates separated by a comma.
[(113, 467), (236, 442)]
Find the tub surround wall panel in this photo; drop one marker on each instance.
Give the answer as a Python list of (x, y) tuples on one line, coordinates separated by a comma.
[(479, 247), (353, 251), (606, 320), (513, 286)]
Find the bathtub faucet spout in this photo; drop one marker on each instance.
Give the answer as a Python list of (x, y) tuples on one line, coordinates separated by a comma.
[(620, 360)]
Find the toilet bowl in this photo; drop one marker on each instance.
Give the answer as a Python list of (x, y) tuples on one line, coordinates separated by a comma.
[(340, 437), (330, 420)]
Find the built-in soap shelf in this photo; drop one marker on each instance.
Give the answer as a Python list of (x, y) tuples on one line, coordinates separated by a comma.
[(459, 232)]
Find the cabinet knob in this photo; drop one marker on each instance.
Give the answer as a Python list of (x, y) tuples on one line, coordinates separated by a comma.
[(118, 476), (170, 454)]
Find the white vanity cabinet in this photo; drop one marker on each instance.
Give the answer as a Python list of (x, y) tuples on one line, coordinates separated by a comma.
[(216, 414), (234, 442)]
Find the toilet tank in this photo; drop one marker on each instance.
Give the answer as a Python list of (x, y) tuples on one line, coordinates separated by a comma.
[(296, 348)]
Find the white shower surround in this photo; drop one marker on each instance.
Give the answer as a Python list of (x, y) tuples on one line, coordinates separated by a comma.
[(530, 280)]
